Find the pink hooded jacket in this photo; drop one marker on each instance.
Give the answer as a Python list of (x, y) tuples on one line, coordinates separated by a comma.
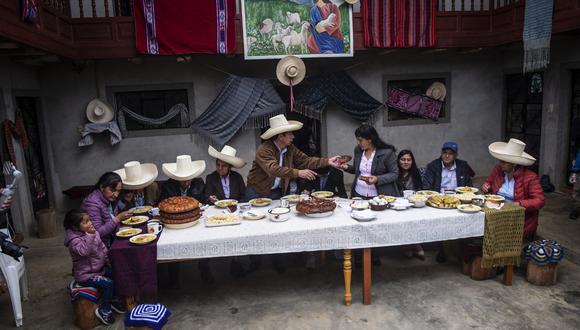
[(88, 252)]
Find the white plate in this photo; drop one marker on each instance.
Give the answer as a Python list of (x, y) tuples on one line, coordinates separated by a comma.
[(462, 206), (139, 219), (253, 215), (150, 238), (181, 225), (366, 215), (233, 223), (252, 202), (136, 231), (218, 203), (319, 215)]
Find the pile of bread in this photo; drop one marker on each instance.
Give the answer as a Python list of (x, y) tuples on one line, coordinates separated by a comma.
[(179, 210)]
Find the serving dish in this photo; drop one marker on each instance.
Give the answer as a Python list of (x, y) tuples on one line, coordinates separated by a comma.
[(142, 239), (135, 220)]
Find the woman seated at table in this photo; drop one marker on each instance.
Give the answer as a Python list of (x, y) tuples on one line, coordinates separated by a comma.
[(512, 179), (101, 208), (139, 187), (410, 179), (375, 169)]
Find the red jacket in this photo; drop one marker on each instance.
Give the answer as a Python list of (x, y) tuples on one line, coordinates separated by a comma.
[(527, 191)]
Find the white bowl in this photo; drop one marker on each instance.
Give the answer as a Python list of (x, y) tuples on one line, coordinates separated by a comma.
[(279, 214)]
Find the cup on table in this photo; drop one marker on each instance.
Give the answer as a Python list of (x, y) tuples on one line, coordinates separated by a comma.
[(450, 192), (154, 212), (154, 227), (408, 193), (244, 206), (284, 202)]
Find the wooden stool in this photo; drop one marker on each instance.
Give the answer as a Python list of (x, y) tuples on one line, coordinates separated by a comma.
[(542, 275), (474, 270), (85, 317)]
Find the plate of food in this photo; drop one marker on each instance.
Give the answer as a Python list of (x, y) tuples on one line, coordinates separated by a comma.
[(322, 194), (258, 202), (359, 205), (135, 220), (226, 203), (466, 198), (466, 189), (253, 215), (141, 209), (469, 208), (443, 202), (292, 198), (218, 220), (316, 208), (494, 198), (143, 239), (365, 215), (427, 193), (128, 232), (389, 199)]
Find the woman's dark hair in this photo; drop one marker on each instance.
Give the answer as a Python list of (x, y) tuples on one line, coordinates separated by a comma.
[(413, 171), (109, 179), (72, 219), (370, 133)]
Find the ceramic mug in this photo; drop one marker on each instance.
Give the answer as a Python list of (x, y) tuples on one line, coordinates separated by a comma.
[(408, 193), (154, 211), (154, 227), (284, 202)]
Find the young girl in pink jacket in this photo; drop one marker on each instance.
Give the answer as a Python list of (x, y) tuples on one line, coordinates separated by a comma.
[(89, 258)]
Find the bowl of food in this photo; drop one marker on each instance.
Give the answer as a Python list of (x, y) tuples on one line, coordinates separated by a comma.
[(128, 232), (466, 198), (143, 239), (494, 201), (279, 214), (465, 189), (359, 205), (259, 202), (322, 194), (135, 220), (226, 203), (418, 200), (378, 204), (140, 210), (401, 204)]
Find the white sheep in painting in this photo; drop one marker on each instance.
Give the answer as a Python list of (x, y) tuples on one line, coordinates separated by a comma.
[(292, 18), (265, 26), (296, 39), (328, 21), (280, 33), (251, 41)]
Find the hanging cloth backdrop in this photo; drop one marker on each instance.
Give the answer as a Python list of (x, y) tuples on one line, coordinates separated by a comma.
[(242, 102), (418, 105), (399, 23), (178, 109), (184, 27), (537, 34), (313, 94)]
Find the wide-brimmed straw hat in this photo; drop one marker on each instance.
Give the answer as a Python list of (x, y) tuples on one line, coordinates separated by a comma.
[(184, 168), (279, 124), (437, 91), (99, 112), (136, 175), (228, 155), (290, 68), (511, 152)]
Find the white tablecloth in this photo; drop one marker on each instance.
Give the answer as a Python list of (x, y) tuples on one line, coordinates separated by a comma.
[(301, 233)]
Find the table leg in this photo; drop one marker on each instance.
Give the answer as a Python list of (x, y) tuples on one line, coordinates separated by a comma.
[(347, 276), (130, 303), (508, 275), (367, 275)]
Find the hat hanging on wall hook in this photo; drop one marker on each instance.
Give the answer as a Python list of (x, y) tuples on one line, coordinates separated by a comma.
[(99, 111), (290, 71)]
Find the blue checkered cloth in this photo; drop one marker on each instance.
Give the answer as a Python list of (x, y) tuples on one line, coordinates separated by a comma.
[(544, 251), (153, 316)]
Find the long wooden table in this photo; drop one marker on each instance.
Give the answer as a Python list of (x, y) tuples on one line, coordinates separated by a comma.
[(336, 232)]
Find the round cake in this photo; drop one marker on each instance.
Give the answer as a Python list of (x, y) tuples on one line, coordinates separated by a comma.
[(179, 210)]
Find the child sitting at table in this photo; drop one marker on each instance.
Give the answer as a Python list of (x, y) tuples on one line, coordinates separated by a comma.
[(89, 258)]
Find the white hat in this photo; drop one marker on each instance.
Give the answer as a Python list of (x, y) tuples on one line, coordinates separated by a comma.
[(183, 169), (511, 152), (351, 2), (99, 112), (437, 91), (136, 175), (279, 124), (228, 155), (290, 68)]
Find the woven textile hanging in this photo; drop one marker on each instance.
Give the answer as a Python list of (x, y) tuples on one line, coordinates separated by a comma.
[(399, 23), (537, 34)]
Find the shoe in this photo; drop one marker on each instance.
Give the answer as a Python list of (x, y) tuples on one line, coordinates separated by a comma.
[(105, 318), (573, 215), (207, 277), (118, 307), (420, 255), (409, 254), (237, 270), (441, 258)]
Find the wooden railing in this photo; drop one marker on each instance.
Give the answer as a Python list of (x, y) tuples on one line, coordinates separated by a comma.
[(99, 29)]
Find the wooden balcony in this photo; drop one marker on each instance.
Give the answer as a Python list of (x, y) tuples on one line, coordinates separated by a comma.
[(461, 26)]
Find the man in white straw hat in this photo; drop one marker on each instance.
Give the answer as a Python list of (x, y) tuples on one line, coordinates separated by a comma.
[(513, 180), (138, 180), (184, 181), (223, 183), (278, 161)]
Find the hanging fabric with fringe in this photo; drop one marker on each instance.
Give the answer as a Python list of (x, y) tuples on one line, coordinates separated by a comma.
[(242, 103), (537, 34), (314, 94)]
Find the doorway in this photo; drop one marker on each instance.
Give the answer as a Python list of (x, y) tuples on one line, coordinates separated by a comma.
[(574, 143), (29, 108), (523, 119)]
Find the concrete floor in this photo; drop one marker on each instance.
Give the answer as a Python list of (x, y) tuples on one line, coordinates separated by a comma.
[(406, 294)]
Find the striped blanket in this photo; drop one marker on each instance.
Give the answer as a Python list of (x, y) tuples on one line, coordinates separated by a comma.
[(399, 23)]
